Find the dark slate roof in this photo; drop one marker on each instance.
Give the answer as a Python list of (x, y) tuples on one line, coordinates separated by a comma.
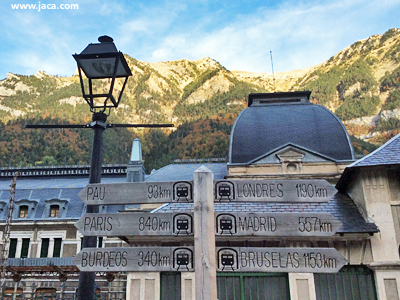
[(185, 172), (40, 190), (341, 206), (261, 128), (387, 154)]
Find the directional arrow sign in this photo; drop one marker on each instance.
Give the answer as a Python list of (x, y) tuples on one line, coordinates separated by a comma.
[(276, 224), (224, 191), (143, 224), (285, 190), (290, 260), (129, 259), (137, 192), (226, 224)]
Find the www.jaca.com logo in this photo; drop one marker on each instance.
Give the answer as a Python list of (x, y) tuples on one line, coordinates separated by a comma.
[(41, 6)]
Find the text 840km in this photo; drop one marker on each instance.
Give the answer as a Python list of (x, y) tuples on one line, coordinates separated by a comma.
[(153, 224)]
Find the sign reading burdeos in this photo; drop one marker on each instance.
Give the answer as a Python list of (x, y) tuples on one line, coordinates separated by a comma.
[(293, 260), (130, 259)]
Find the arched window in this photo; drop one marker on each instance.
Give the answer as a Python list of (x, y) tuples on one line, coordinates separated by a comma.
[(46, 293), (54, 210), (23, 211), (9, 292)]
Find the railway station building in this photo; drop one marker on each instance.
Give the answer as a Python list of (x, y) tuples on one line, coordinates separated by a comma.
[(279, 136)]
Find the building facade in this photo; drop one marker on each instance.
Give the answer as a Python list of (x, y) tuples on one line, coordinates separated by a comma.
[(279, 136)]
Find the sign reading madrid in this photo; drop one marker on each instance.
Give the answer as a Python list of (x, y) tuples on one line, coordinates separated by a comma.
[(276, 224), (287, 190)]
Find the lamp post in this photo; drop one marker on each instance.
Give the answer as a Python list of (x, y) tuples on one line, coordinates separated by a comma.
[(98, 62)]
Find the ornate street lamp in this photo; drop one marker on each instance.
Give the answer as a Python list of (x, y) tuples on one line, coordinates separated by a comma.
[(98, 62), (102, 61)]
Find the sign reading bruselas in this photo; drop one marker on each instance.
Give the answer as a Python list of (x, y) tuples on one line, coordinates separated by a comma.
[(224, 191), (131, 259), (293, 260)]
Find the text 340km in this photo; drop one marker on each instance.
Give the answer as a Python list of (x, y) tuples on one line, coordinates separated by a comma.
[(310, 191)]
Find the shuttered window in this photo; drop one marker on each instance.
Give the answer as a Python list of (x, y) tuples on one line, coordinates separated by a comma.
[(351, 282), (25, 248), (13, 248), (44, 250), (252, 286), (57, 247), (170, 286)]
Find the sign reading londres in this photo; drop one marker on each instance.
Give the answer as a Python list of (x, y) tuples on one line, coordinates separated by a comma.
[(224, 191)]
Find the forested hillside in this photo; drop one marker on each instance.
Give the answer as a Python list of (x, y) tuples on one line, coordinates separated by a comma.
[(202, 98)]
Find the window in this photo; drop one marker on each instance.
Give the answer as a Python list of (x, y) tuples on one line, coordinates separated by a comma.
[(8, 293), (13, 248), (57, 247), (46, 293), (23, 211), (44, 250), (25, 248), (54, 210)]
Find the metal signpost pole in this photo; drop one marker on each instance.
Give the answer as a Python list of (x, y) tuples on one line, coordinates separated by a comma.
[(87, 279)]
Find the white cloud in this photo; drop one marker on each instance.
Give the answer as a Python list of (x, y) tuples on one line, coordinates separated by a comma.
[(299, 35)]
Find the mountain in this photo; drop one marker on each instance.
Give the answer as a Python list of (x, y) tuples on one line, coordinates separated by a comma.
[(202, 98)]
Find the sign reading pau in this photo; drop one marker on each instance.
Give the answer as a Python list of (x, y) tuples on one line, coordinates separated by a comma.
[(137, 192), (317, 190)]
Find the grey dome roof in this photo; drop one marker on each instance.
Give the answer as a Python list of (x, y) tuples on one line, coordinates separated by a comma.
[(267, 125)]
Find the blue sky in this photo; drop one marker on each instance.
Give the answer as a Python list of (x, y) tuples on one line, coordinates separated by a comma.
[(238, 34)]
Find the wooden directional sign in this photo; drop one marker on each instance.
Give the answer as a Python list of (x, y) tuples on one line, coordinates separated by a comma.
[(159, 259), (137, 192), (226, 224), (285, 190), (129, 259), (136, 223), (293, 260), (276, 224)]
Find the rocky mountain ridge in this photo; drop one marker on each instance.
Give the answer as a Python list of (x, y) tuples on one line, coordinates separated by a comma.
[(360, 84)]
